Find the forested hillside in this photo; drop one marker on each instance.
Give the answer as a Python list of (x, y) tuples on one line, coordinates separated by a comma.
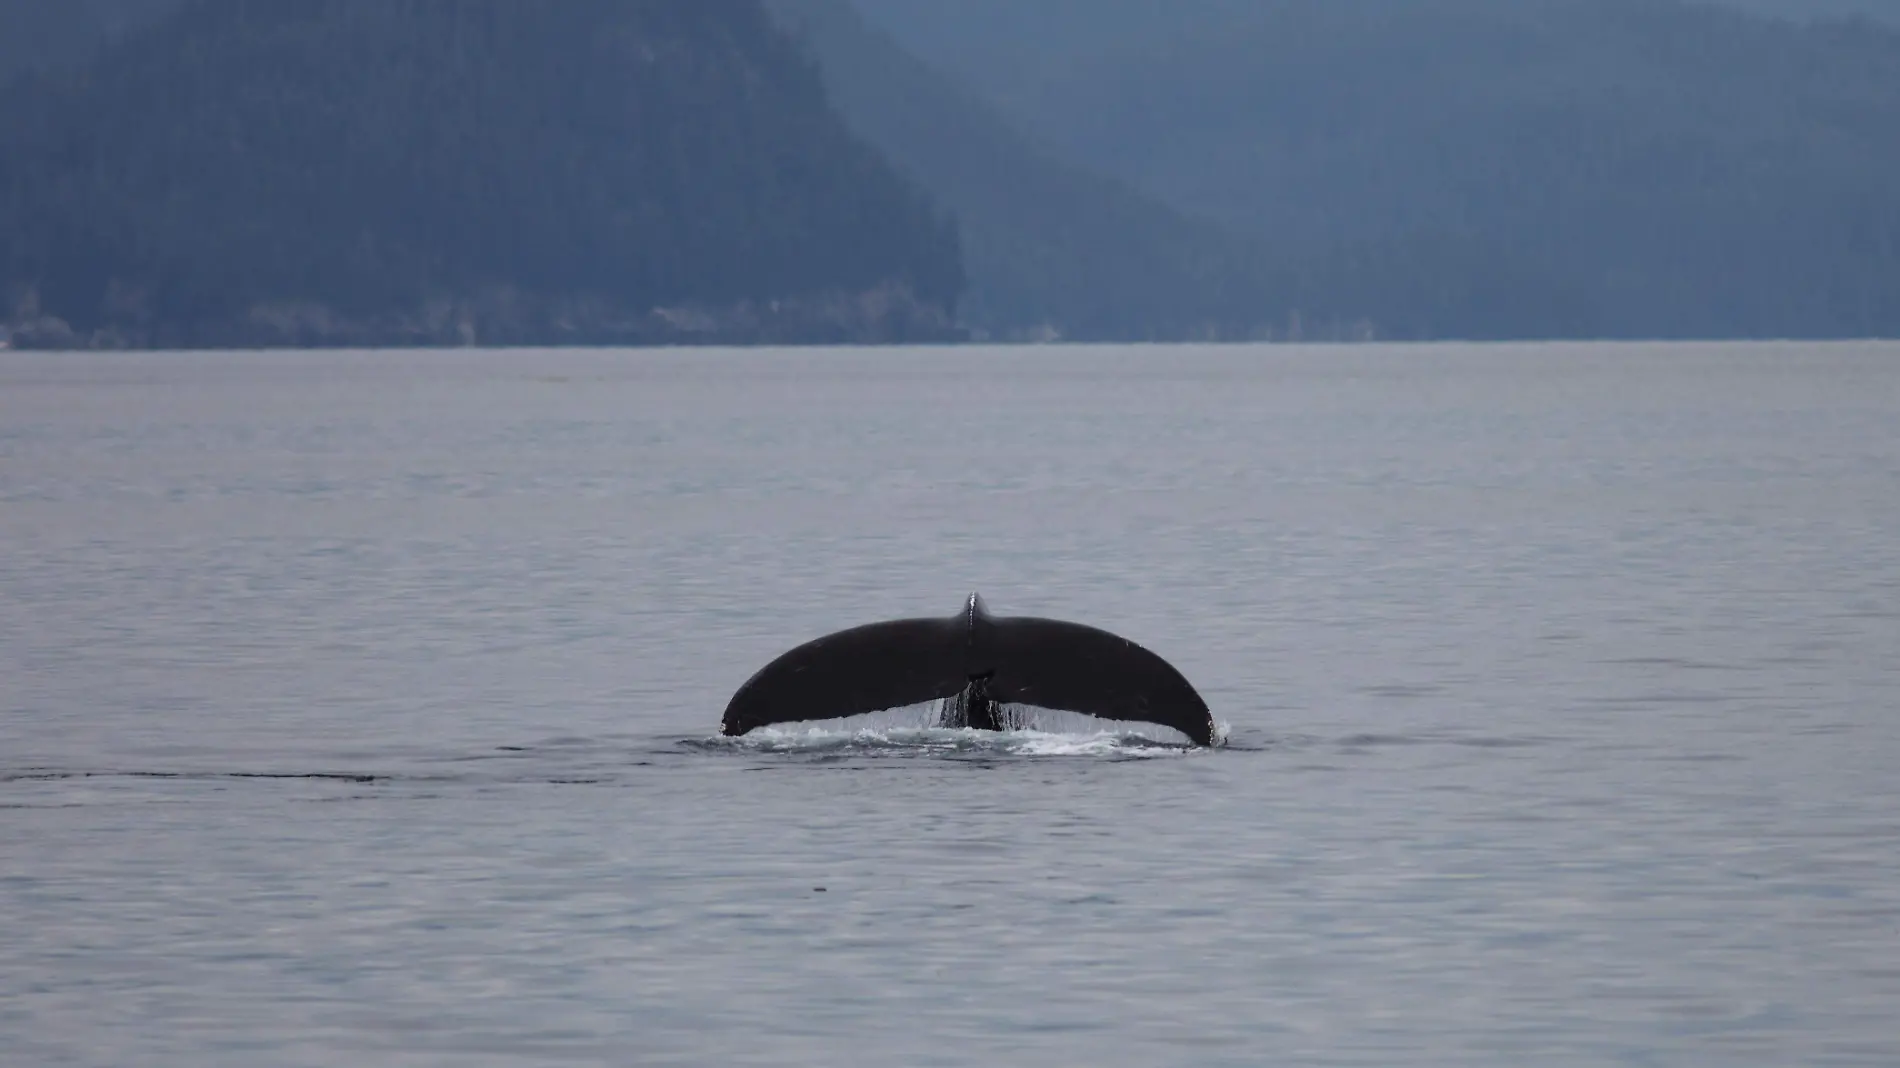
[(1483, 167), (44, 34), (393, 171), (1116, 168)]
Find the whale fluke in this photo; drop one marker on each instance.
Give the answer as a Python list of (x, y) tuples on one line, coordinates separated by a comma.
[(972, 661)]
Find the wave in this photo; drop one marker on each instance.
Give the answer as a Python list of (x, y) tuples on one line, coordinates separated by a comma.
[(902, 741)]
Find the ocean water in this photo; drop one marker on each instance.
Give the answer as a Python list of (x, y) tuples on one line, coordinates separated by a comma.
[(361, 708)]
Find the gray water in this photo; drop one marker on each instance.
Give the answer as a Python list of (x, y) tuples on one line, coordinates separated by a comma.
[(362, 708)]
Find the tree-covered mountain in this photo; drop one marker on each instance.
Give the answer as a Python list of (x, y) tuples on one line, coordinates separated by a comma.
[(1483, 167), (46, 34), (389, 171), (1051, 248), (1117, 168)]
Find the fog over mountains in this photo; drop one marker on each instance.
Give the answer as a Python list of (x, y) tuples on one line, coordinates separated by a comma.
[(1481, 167), (1884, 10), (1126, 169), (1052, 248)]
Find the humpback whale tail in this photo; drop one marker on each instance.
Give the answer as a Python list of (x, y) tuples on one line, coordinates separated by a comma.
[(975, 662)]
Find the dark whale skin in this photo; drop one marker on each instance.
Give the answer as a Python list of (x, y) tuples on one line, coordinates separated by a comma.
[(981, 661)]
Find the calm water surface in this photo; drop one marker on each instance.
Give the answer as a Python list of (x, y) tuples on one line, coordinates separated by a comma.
[(361, 708)]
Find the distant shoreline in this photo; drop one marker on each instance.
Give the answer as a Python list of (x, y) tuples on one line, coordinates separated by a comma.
[(964, 344)]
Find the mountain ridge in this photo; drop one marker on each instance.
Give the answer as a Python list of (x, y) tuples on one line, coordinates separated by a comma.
[(1446, 168), (1052, 250), (443, 171), (1137, 170)]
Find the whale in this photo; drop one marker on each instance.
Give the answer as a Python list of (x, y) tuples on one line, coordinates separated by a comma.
[(974, 663)]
